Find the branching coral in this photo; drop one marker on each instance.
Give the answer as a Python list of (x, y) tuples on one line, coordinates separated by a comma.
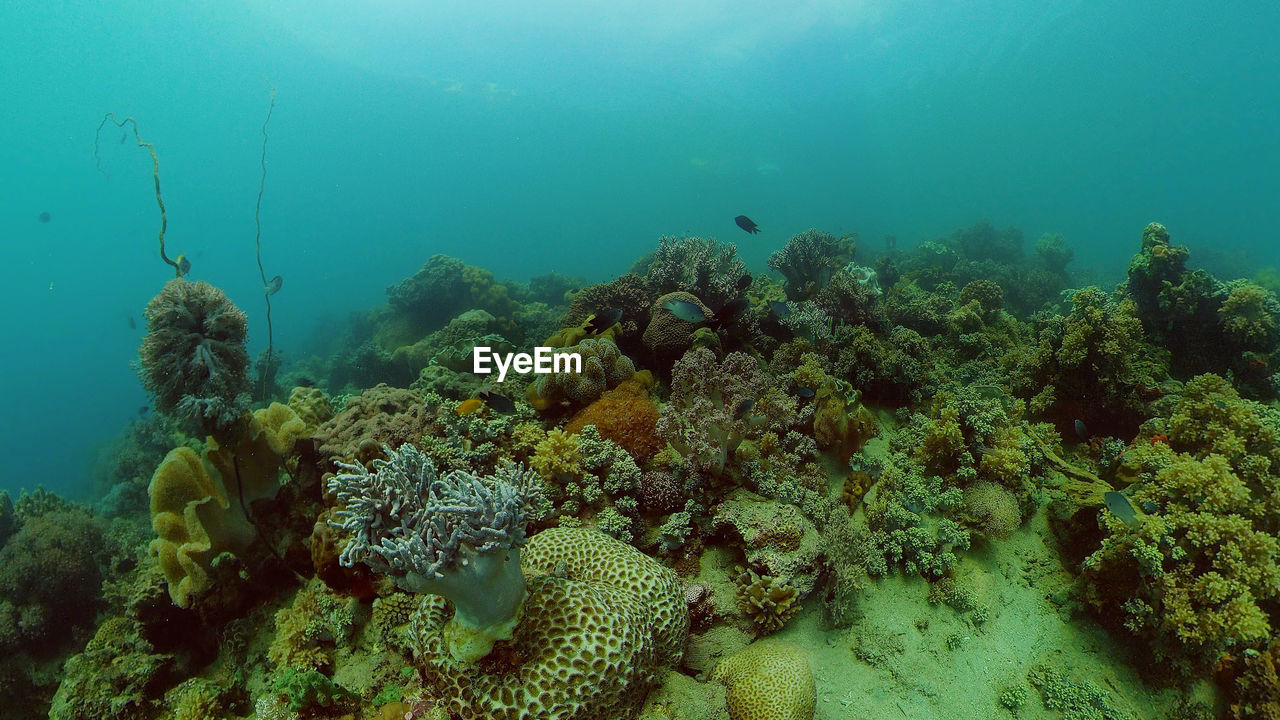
[(809, 260), (701, 266), (458, 536), (715, 406), (193, 359)]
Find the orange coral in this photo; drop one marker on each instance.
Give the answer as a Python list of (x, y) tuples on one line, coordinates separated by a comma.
[(624, 415)]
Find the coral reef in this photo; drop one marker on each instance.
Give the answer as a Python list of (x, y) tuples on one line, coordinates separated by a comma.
[(603, 367), (809, 260), (699, 266), (624, 415)]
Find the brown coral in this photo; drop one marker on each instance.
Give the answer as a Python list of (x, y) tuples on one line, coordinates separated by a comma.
[(624, 415), (768, 601), (379, 416), (603, 367), (667, 336)]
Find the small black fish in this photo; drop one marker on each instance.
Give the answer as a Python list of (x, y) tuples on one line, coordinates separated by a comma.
[(730, 312), (1220, 404), (779, 308), (806, 392), (123, 137), (500, 403), (604, 320), (1082, 431), (305, 382), (273, 286), (747, 224), (144, 410), (1149, 506), (45, 217), (685, 310), (133, 325), (743, 408)]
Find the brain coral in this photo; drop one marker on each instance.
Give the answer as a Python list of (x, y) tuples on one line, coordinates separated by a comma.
[(599, 621), (193, 358), (768, 680)]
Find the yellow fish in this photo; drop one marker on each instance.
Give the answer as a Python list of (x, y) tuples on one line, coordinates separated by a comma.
[(470, 405)]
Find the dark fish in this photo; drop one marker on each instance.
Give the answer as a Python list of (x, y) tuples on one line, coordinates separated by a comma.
[(1149, 506), (1220, 404), (685, 310), (604, 320), (144, 410), (500, 403), (123, 137), (747, 224), (273, 286), (743, 408), (305, 382), (184, 265), (45, 217), (779, 308), (133, 325), (1082, 432), (730, 312), (744, 282), (1119, 506), (806, 392)]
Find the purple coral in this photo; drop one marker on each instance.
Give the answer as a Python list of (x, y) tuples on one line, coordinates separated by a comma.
[(193, 358), (715, 406), (458, 536)]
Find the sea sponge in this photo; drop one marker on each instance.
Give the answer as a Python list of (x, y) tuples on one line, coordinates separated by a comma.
[(193, 359), (624, 415), (603, 367), (599, 621), (768, 680)]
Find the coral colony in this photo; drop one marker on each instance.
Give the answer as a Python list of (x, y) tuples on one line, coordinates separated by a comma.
[(850, 485)]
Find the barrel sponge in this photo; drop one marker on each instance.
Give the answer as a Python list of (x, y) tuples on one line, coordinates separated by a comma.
[(193, 521), (768, 680), (588, 554), (599, 622)]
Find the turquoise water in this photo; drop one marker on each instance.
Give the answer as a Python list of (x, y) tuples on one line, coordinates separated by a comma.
[(562, 136)]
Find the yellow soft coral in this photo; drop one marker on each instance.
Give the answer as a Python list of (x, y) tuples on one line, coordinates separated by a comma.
[(557, 455)]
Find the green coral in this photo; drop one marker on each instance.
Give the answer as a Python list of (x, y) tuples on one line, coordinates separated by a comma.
[(308, 690), (1075, 700), (1195, 575)]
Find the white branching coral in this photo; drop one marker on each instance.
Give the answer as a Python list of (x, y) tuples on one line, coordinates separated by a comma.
[(457, 535)]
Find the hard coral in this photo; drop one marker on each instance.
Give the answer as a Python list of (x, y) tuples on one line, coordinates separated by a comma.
[(600, 620), (193, 359), (768, 680), (700, 266), (603, 367), (809, 260), (667, 337)]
